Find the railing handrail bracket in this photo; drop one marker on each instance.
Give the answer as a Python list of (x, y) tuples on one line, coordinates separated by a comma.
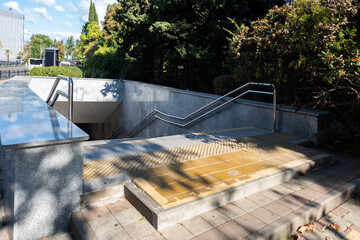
[(68, 95)]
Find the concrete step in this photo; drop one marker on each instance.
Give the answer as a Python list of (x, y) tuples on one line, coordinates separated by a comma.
[(271, 214), (163, 212)]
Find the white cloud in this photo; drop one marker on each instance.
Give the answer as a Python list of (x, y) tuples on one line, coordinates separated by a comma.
[(59, 8), (69, 16), (68, 23), (13, 5), (29, 16), (44, 2), (42, 12), (70, 6), (27, 35), (61, 35)]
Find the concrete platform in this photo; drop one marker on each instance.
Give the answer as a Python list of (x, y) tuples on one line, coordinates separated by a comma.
[(109, 162)]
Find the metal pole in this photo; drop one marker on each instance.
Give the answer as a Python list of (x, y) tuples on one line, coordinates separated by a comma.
[(70, 100), (274, 103)]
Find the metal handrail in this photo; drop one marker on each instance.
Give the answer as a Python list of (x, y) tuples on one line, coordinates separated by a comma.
[(69, 95), (150, 117)]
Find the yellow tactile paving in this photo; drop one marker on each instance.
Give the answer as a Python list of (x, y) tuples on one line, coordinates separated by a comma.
[(189, 180), (208, 152)]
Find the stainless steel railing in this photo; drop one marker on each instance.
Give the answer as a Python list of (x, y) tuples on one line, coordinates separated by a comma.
[(156, 114), (68, 95)]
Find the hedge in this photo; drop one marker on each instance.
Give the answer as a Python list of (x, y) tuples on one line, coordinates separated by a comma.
[(55, 71)]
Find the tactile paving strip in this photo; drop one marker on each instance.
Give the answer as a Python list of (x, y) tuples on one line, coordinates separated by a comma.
[(113, 166)]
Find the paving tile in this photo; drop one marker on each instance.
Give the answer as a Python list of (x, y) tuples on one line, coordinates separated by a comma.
[(154, 236), (232, 230), (355, 227), (196, 225), (281, 190), (118, 206), (320, 188), (95, 212), (271, 194), (128, 216), (212, 234), (259, 199), (176, 232), (292, 184), (57, 236), (289, 202), (215, 217), (303, 181), (246, 205), (278, 209), (139, 229), (250, 223), (340, 211), (231, 210), (338, 220), (104, 224), (115, 234), (265, 215), (353, 217)]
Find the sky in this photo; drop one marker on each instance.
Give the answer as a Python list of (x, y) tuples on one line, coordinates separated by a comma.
[(59, 19)]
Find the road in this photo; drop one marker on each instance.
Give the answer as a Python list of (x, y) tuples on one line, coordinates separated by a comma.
[(18, 68)]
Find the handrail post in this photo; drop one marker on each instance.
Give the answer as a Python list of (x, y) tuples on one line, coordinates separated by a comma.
[(51, 93), (69, 95), (274, 106), (70, 100)]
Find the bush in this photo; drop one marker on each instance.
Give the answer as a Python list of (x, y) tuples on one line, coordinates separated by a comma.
[(55, 71), (226, 83), (310, 49)]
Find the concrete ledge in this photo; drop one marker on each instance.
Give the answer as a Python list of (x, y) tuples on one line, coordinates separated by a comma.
[(308, 213), (102, 183), (161, 218)]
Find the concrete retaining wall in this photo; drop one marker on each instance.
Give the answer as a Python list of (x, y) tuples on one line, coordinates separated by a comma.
[(141, 98)]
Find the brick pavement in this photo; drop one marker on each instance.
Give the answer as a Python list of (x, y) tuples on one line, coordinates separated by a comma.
[(241, 219)]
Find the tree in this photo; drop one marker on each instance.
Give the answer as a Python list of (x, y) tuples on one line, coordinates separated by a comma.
[(1, 46), (20, 54), (310, 49), (27, 51), (7, 54), (160, 37), (70, 45), (61, 47), (93, 17), (38, 43)]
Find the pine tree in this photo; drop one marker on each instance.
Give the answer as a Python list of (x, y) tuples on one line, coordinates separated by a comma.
[(96, 18), (91, 13)]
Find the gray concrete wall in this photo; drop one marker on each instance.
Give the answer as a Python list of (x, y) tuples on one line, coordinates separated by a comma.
[(43, 187), (94, 99), (141, 98)]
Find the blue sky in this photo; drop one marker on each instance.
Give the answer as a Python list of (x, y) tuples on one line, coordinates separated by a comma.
[(58, 19)]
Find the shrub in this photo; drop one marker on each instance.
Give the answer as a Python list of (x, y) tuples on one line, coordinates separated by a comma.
[(310, 49), (55, 71), (226, 83)]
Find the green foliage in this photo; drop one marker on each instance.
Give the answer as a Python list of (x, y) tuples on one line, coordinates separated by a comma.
[(38, 43), (93, 17), (55, 71), (310, 49), (225, 83), (7, 54), (70, 45), (174, 42)]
